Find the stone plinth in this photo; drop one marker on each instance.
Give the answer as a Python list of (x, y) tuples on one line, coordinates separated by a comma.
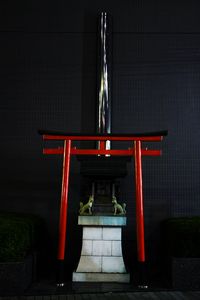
[(101, 256)]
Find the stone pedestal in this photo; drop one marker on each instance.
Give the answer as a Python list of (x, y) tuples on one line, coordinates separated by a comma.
[(101, 256)]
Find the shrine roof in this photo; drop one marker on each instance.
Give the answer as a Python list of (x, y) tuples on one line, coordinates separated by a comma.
[(74, 134)]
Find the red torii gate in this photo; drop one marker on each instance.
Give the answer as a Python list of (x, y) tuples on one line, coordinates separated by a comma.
[(135, 151)]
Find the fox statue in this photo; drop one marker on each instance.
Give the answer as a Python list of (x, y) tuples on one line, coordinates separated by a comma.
[(118, 209), (86, 209)]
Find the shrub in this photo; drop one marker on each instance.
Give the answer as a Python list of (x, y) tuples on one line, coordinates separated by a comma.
[(19, 234), (182, 237)]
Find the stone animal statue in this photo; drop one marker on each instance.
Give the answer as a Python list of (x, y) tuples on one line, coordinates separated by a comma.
[(86, 209), (118, 209)]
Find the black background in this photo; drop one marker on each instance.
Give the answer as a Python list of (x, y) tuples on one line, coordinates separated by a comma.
[(48, 81)]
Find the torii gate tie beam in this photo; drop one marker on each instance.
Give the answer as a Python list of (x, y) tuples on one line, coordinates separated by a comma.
[(135, 151)]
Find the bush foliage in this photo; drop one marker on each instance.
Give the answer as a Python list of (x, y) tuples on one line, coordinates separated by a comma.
[(19, 234), (182, 236)]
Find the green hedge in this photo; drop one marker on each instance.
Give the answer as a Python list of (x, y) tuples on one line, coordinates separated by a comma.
[(181, 236), (19, 234)]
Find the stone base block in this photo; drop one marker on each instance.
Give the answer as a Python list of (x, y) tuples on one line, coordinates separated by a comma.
[(101, 256), (102, 220), (101, 277)]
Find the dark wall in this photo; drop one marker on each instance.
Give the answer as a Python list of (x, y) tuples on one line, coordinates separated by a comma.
[(48, 80)]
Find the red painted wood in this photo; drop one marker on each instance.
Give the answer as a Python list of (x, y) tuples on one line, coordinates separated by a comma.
[(128, 152), (64, 201), (102, 138), (102, 145), (139, 203)]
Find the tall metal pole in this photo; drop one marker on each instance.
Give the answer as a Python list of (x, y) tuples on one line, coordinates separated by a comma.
[(104, 76)]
